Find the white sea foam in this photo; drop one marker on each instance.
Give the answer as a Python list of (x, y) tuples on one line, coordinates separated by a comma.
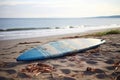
[(8, 35)]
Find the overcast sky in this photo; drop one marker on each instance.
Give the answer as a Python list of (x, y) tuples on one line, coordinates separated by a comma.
[(58, 8)]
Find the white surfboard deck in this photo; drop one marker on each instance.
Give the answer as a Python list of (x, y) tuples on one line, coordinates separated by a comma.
[(59, 48)]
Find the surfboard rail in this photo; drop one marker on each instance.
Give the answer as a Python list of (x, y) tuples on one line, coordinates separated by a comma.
[(59, 48)]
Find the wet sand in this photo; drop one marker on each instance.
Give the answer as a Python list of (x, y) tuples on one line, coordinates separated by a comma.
[(94, 64)]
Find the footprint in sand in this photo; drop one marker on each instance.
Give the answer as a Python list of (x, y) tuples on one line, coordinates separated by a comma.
[(2, 54), (22, 75), (56, 65), (110, 61), (91, 62), (62, 61), (110, 68), (68, 78), (10, 71), (66, 71), (4, 78), (101, 76)]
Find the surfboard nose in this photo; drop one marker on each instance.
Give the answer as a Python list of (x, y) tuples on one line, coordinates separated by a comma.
[(102, 41), (29, 55)]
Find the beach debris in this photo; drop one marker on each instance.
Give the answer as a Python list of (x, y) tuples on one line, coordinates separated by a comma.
[(71, 37), (73, 58), (118, 77), (29, 42), (38, 68), (91, 69), (95, 70), (116, 65)]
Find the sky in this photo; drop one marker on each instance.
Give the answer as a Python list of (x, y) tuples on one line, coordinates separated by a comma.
[(58, 8)]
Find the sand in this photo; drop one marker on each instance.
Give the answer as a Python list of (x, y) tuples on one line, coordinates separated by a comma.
[(94, 64)]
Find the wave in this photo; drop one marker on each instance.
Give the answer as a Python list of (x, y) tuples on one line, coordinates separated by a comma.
[(38, 32), (20, 29), (62, 27)]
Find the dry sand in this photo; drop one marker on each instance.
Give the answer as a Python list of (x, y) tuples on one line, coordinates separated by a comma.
[(94, 64)]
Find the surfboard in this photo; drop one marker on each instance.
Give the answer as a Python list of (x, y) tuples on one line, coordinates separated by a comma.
[(59, 48)]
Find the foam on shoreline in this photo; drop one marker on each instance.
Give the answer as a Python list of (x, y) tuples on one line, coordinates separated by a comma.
[(21, 34)]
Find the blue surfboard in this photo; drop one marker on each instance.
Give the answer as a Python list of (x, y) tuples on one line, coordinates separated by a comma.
[(59, 48)]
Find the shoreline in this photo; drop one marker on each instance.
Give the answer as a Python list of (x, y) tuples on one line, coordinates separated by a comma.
[(59, 36), (13, 35), (68, 34), (73, 67)]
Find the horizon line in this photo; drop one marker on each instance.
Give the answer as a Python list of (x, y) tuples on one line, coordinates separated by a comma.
[(66, 17)]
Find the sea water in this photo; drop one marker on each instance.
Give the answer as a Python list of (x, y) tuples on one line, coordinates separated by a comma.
[(18, 28)]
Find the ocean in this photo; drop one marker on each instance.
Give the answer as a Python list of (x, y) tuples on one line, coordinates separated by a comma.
[(8, 23), (17, 28)]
